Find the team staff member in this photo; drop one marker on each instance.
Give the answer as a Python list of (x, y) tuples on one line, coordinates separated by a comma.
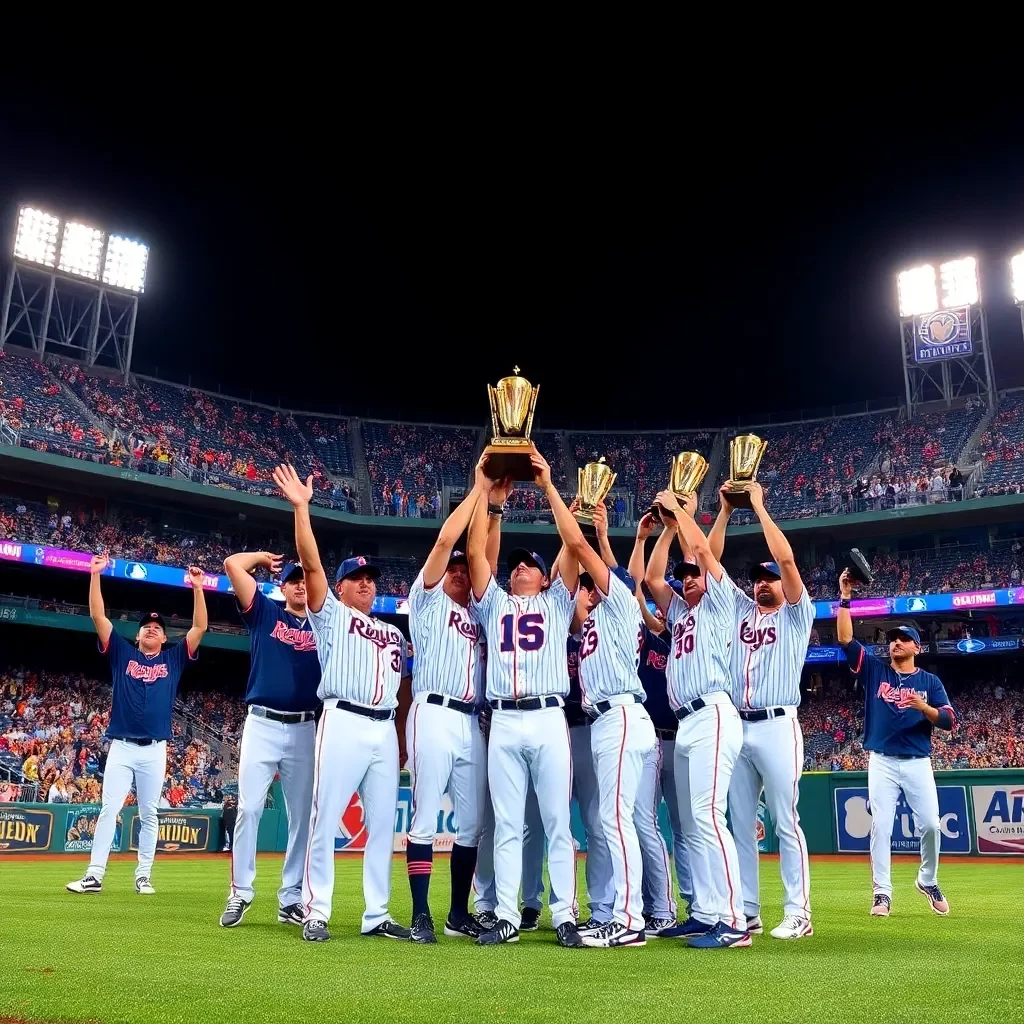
[(362, 663), (279, 729), (902, 704), (769, 646), (145, 683)]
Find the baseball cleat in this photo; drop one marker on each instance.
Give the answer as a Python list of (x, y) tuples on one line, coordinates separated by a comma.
[(720, 937), (654, 926), (423, 930), (487, 919), (88, 884), (463, 927), (391, 930), (754, 925), (234, 912), (793, 927), (292, 914), (503, 931), (691, 927), (315, 931), (144, 887), (934, 896), (568, 935), (614, 934), (591, 925), (881, 905), (677, 931), (531, 919)]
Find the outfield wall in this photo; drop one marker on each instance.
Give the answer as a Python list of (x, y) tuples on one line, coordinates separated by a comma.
[(982, 812)]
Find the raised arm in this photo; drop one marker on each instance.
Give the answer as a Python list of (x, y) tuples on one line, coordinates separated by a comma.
[(299, 495), (782, 552), (601, 525), (480, 571), (239, 568), (637, 569), (716, 538), (200, 622), (655, 575), (844, 620), (453, 528), (577, 550), (97, 610), (691, 536), (497, 495)]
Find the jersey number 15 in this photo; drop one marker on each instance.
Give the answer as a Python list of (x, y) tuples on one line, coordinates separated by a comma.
[(526, 631)]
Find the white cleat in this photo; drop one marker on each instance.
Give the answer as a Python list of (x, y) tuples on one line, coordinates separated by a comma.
[(613, 934), (144, 887), (793, 927), (87, 884), (754, 925)]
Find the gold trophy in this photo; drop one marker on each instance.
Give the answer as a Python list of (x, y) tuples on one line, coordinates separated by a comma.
[(745, 453), (595, 481), (688, 469), (512, 405)]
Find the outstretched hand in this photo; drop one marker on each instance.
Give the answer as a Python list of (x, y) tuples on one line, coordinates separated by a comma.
[(290, 484), (98, 563), (541, 470)]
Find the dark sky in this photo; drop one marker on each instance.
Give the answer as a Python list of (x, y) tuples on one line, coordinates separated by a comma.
[(663, 269)]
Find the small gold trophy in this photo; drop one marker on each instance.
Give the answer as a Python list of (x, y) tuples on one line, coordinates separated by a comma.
[(595, 481), (688, 469), (512, 405), (745, 453)]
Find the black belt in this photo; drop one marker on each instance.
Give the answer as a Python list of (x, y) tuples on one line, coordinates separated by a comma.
[(602, 707), (691, 708), (465, 706), (906, 757), (376, 714), (762, 714), (527, 703), (136, 741), (287, 717), (665, 734)]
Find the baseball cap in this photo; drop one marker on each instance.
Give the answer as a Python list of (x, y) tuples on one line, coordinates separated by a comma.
[(291, 570), (620, 573), (904, 633), (519, 555), (457, 558), (765, 571), (357, 563), (155, 617), (685, 568)]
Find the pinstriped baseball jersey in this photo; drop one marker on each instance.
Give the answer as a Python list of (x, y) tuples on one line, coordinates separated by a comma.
[(526, 641), (451, 654), (698, 659), (610, 651), (768, 651), (362, 659)]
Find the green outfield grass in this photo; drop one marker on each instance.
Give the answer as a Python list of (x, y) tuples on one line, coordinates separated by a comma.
[(121, 957)]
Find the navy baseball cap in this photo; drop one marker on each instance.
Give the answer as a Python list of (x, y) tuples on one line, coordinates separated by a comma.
[(458, 558), (765, 571), (685, 568), (903, 633), (357, 563), (519, 555), (291, 571), (154, 617)]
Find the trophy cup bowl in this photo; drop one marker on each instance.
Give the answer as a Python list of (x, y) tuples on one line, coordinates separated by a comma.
[(595, 481), (745, 454), (512, 401), (688, 470)]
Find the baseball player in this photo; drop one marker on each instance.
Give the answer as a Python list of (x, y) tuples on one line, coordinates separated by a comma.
[(769, 646), (443, 737), (362, 664), (145, 682), (902, 704), (527, 681), (279, 729), (710, 734)]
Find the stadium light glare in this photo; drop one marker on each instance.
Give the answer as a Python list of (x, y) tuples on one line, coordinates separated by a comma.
[(36, 237), (917, 291), (81, 250), (1017, 269), (125, 266), (959, 281)]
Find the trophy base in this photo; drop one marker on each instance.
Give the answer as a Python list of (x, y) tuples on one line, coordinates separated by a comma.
[(738, 495), (657, 511), (510, 458), (585, 517)]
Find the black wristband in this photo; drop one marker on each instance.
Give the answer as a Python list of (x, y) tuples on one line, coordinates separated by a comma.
[(844, 602), (495, 510)]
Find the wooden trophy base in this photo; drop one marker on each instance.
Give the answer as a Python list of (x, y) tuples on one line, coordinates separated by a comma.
[(738, 495), (509, 458)]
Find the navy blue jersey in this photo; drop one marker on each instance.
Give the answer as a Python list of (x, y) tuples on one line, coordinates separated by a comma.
[(574, 713), (284, 668), (653, 661), (888, 727), (144, 688)]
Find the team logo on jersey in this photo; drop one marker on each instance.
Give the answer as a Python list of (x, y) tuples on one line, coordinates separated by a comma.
[(897, 695), (657, 661), (301, 639), (755, 639), (378, 635), (147, 673), (469, 629), (351, 834)]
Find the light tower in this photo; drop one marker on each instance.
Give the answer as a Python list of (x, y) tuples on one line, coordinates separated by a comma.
[(73, 288), (944, 335)]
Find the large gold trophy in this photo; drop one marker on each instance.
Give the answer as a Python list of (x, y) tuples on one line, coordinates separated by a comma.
[(512, 403), (595, 481), (745, 453), (688, 469)]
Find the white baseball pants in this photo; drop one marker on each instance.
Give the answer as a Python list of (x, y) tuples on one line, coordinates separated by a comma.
[(772, 756), (269, 748), (525, 745), (146, 767), (353, 754), (622, 739), (886, 777), (707, 747), (600, 877), (658, 900), (667, 791), (485, 895)]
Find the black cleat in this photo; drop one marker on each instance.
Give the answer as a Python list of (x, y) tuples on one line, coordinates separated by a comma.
[(487, 919), (391, 930), (503, 931), (292, 914), (568, 935), (530, 920), (423, 930), (463, 927), (315, 931), (234, 912)]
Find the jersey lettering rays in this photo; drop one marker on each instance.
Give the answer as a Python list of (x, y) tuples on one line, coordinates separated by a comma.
[(610, 650)]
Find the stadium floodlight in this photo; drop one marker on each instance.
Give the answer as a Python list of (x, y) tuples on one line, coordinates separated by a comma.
[(81, 250), (917, 291), (125, 266), (36, 237), (959, 280), (1017, 269)]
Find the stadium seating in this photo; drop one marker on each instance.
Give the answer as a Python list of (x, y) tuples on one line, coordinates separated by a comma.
[(330, 436), (1001, 446)]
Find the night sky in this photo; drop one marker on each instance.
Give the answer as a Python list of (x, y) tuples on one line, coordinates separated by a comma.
[(664, 270)]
